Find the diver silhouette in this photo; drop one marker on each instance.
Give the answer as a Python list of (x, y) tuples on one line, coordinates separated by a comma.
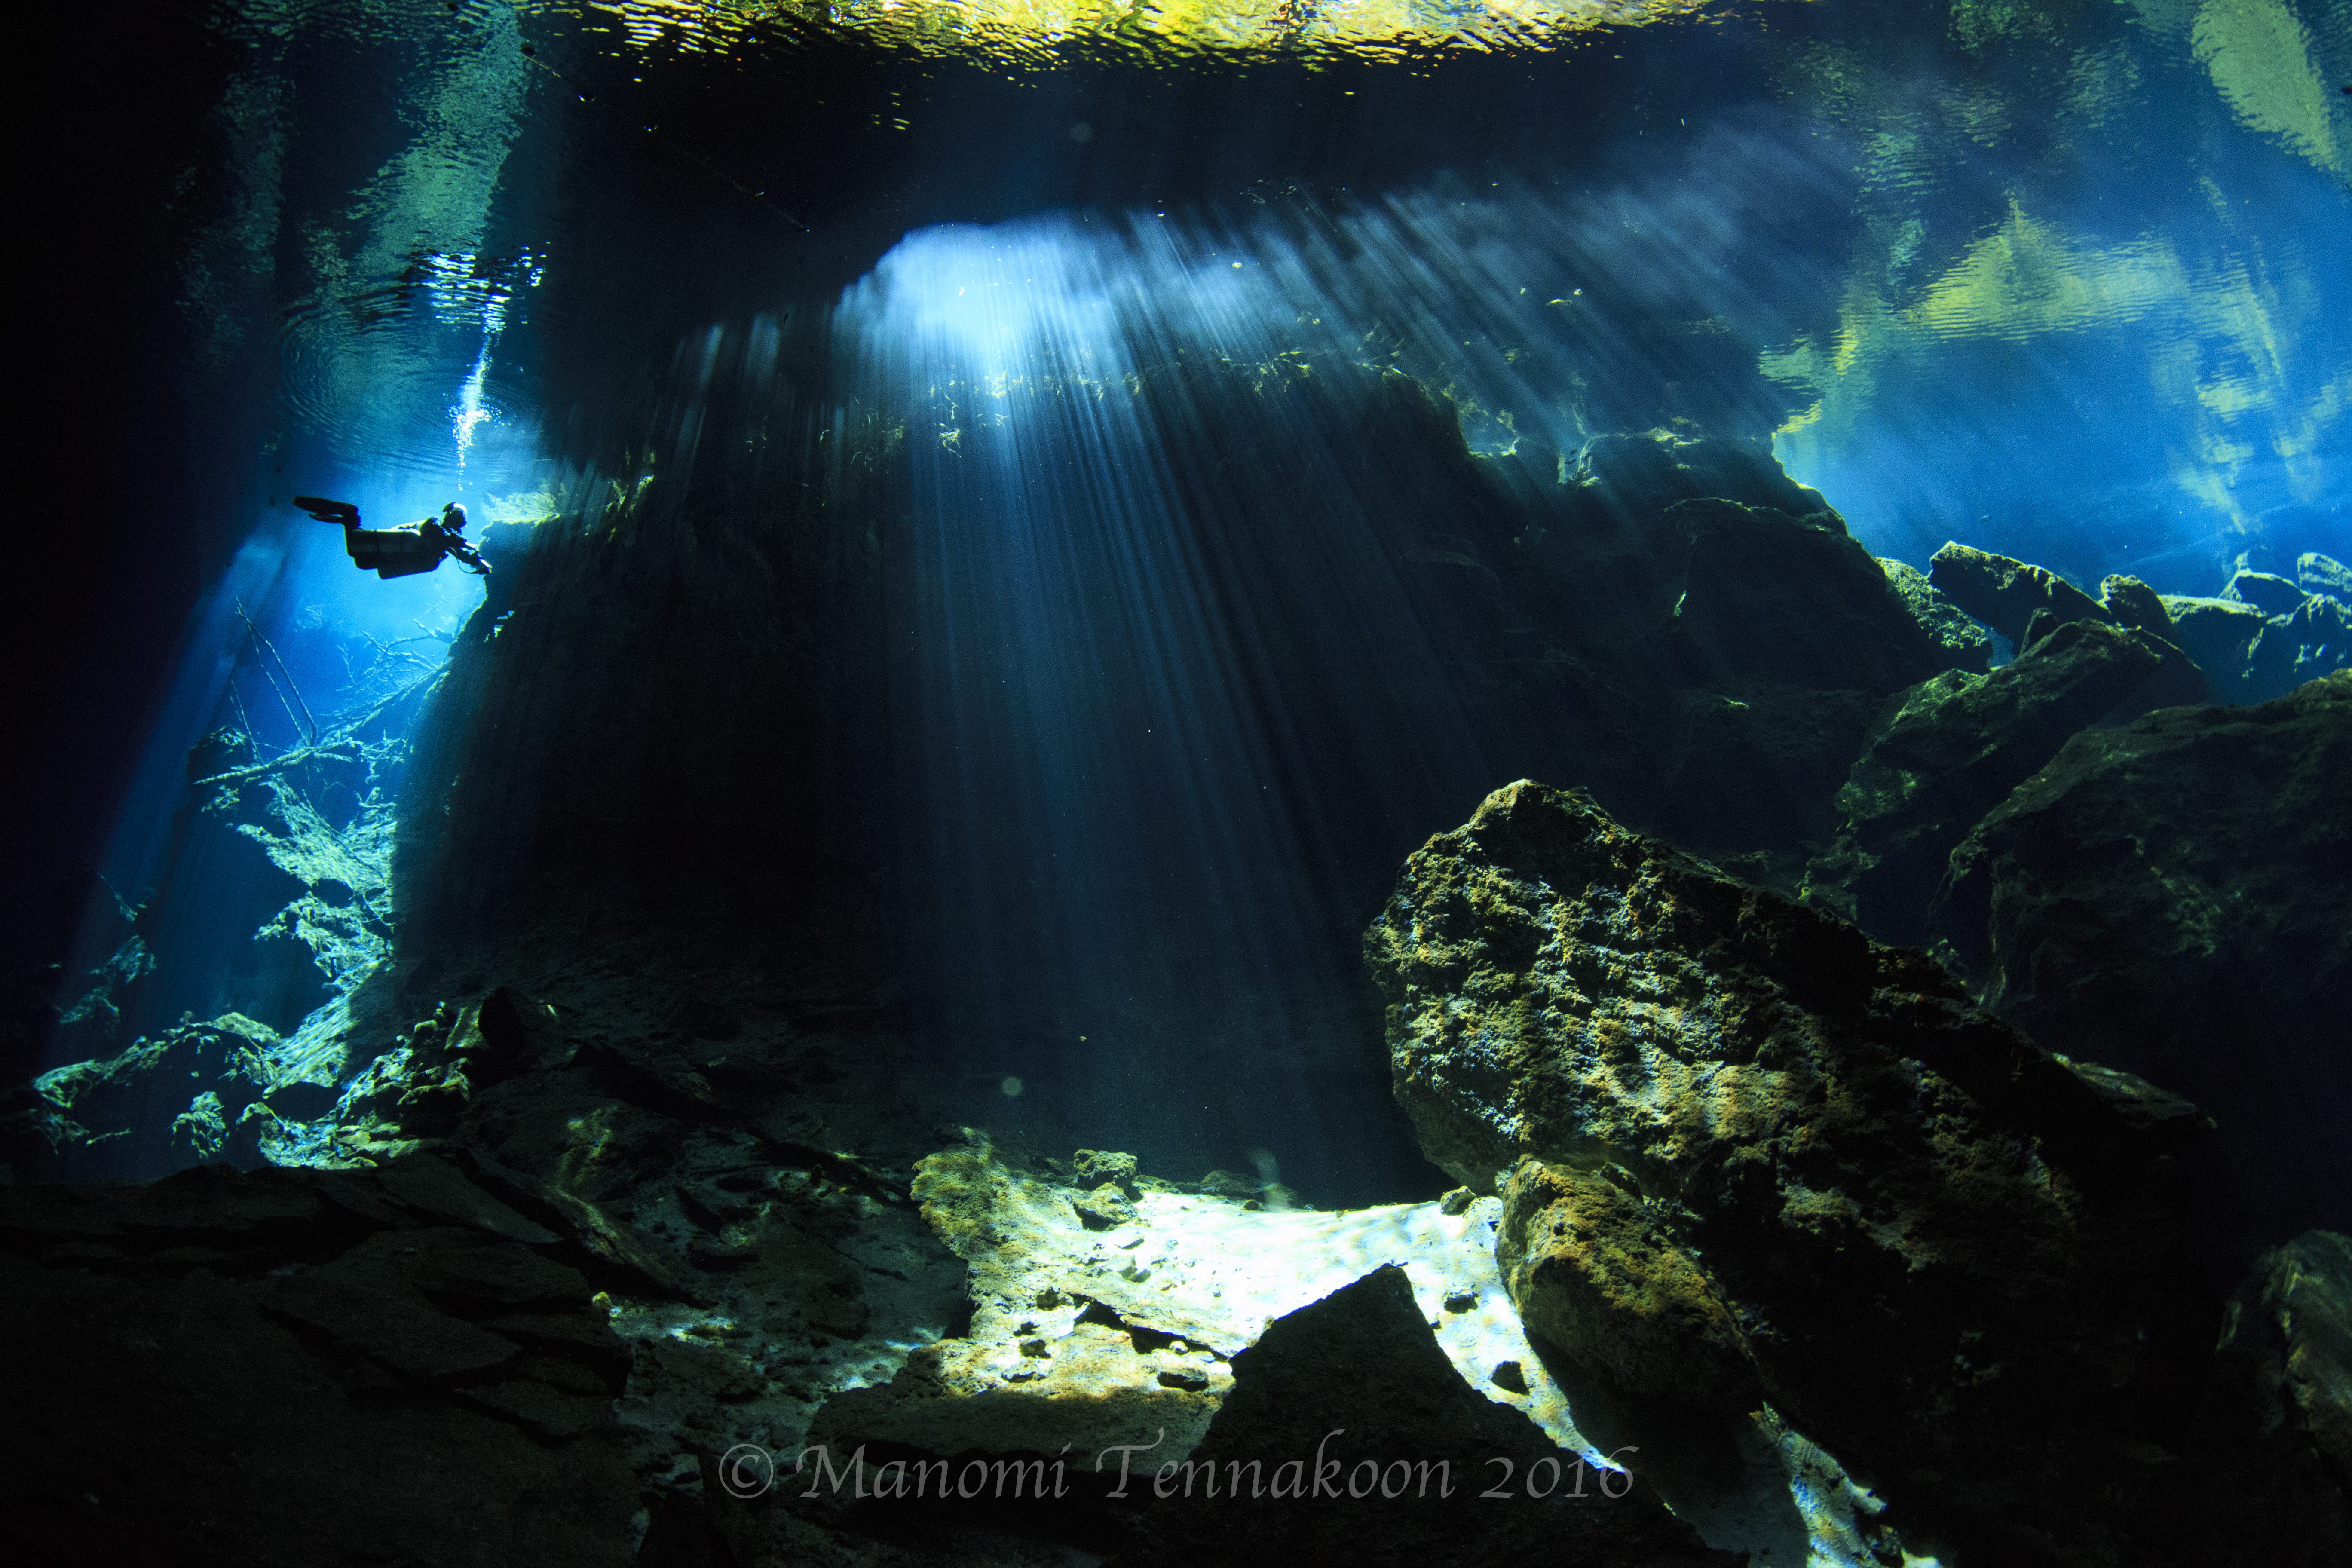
[(401, 552)]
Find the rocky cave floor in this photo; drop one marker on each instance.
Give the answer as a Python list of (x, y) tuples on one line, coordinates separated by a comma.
[(683, 1226)]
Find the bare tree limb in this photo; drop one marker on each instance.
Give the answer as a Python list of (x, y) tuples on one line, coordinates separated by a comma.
[(288, 674)]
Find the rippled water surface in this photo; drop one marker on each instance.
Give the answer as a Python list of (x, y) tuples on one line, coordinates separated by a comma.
[(2063, 277)]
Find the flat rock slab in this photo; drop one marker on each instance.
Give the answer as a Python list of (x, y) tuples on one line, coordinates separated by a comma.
[(208, 1388), (1347, 1424)]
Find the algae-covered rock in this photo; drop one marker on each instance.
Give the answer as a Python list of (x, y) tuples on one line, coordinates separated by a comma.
[(2294, 1311), (2323, 576), (1105, 1208), (166, 1103), (1953, 1262), (1640, 472), (2266, 591), (2029, 603), (1592, 1267), (2006, 593), (2255, 652), (2181, 682), (1951, 750), (2312, 639), (2170, 898), (1954, 630), (1096, 1166), (2274, 1435), (2219, 635), (2136, 604)]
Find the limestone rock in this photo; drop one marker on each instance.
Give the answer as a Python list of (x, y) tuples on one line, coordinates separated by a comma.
[(2161, 1119), (1592, 1267), (508, 1034), (2005, 594), (2170, 898), (1953, 1263), (1095, 1166), (2254, 656), (366, 1308), (2136, 604), (2273, 1440), (1776, 597), (1706, 657), (2219, 635), (1356, 1384), (1637, 473), (1964, 642), (2266, 591), (2323, 576), (1105, 1208), (2294, 1311), (2181, 682), (605, 1246), (1951, 751), (2312, 639)]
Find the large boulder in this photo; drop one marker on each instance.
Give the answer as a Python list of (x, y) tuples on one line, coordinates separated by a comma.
[(2257, 650), (1716, 659), (2266, 591), (2323, 576), (1347, 1423), (2027, 604), (1947, 1255), (1964, 640), (1591, 1264), (2219, 633), (2311, 639), (2006, 593), (2181, 682), (2171, 897), (2276, 1432), (1949, 752)]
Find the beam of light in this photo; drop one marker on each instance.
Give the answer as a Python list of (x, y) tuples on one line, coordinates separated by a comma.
[(1115, 444), (1170, 671), (468, 415), (291, 644), (1105, 799)]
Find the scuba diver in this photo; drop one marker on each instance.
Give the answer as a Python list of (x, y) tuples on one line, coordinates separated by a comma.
[(401, 552)]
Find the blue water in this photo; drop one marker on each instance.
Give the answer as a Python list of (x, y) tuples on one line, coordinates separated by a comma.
[(2067, 288)]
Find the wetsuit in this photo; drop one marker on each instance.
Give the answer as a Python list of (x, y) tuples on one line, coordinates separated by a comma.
[(405, 552)]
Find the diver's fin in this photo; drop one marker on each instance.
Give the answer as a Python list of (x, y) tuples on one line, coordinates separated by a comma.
[(327, 511)]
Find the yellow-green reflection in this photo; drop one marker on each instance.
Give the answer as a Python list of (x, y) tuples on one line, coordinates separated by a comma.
[(2260, 57), (2202, 323), (1037, 31), (2217, 339)]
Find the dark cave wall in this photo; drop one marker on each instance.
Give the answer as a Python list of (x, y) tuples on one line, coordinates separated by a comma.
[(668, 694)]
